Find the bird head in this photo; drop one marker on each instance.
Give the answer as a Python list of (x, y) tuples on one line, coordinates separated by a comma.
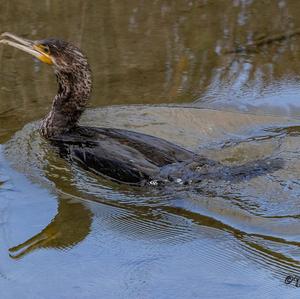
[(63, 56)]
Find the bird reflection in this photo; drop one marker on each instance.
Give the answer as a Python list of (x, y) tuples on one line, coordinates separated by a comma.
[(73, 223), (69, 227)]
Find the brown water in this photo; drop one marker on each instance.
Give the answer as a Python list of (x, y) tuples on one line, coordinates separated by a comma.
[(200, 83)]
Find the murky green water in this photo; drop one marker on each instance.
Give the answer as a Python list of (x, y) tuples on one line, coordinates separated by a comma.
[(200, 83)]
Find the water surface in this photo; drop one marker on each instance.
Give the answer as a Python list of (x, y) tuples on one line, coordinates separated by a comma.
[(200, 82)]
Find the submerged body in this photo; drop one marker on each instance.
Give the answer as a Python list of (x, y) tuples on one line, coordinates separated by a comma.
[(120, 155)]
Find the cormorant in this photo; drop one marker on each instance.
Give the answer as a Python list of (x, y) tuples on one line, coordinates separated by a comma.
[(120, 155)]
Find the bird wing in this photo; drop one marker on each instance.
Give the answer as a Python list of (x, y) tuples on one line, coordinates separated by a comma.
[(121, 155)]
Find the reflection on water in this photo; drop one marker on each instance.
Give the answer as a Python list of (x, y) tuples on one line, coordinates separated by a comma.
[(69, 227), (67, 233), (121, 39)]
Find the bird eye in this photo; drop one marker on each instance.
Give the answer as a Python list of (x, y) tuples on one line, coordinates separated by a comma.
[(46, 49)]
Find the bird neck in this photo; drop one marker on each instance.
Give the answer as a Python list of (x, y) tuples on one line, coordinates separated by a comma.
[(73, 93)]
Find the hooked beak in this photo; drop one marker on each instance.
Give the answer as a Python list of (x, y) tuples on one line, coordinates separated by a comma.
[(26, 45)]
